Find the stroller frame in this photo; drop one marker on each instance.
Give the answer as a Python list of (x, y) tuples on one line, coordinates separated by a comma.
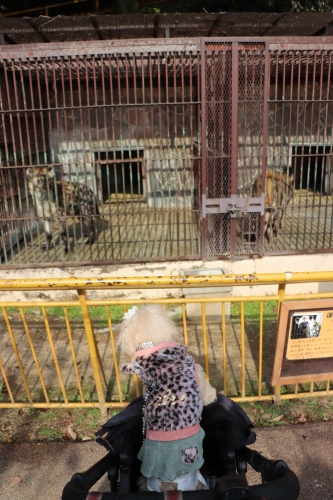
[(228, 431)]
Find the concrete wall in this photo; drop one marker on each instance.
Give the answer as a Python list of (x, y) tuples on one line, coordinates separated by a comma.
[(296, 263), (165, 134)]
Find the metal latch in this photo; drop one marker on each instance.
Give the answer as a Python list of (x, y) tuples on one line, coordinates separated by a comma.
[(232, 205), (232, 209)]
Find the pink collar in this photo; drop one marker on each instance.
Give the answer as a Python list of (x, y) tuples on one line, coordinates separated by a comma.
[(149, 350)]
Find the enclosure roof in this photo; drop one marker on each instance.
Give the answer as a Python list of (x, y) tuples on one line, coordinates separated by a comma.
[(112, 27)]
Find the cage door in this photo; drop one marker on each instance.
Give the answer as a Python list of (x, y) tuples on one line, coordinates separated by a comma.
[(234, 136)]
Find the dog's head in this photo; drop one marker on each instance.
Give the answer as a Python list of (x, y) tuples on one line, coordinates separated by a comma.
[(149, 324)]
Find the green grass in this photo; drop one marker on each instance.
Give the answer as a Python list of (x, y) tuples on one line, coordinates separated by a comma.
[(84, 421), (252, 311), (97, 313), (315, 408), (50, 434)]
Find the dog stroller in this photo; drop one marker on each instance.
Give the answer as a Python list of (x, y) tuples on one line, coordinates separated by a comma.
[(228, 432)]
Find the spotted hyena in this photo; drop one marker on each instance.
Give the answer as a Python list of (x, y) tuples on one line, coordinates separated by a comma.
[(53, 199), (278, 193), (308, 326)]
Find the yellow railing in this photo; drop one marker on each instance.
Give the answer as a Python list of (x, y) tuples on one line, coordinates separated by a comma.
[(62, 353)]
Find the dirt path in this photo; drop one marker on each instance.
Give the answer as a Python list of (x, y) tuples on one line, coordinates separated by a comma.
[(47, 467)]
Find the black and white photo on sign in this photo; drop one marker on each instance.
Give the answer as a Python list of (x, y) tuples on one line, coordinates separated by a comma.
[(305, 326)]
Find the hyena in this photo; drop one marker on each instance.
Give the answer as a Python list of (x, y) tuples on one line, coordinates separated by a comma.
[(308, 326), (54, 198), (279, 191)]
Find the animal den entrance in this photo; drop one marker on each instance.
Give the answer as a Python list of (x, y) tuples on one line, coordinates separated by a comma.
[(119, 173), (313, 168)]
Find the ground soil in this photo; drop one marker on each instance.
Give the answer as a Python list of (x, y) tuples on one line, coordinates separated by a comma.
[(45, 424)]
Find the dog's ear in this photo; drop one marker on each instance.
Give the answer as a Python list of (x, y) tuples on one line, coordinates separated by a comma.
[(297, 320)]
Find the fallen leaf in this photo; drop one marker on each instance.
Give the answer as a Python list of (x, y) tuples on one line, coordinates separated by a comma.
[(72, 434), (9, 440), (36, 311), (14, 480), (302, 419), (304, 437), (325, 419), (87, 438), (277, 419), (66, 437)]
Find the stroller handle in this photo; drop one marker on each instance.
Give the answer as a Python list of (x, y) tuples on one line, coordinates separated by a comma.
[(283, 484)]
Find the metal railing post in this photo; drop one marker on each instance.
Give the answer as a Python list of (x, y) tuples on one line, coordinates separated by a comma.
[(281, 293), (92, 350)]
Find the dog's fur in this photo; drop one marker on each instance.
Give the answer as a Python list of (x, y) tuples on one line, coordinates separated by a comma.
[(54, 198), (278, 193), (152, 324)]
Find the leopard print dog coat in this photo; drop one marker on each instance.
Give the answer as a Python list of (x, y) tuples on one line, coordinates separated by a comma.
[(172, 412)]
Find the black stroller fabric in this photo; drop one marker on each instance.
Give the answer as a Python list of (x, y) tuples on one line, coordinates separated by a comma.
[(224, 409), (227, 428)]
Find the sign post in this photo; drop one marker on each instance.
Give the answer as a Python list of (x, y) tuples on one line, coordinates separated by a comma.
[(304, 348)]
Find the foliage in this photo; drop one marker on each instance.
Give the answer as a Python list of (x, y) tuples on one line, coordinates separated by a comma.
[(144, 7), (150, 10), (246, 6)]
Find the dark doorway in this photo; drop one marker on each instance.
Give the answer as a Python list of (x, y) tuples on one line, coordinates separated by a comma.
[(313, 168), (120, 173)]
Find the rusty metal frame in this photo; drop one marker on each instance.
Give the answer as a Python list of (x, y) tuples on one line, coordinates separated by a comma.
[(234, 140), (93, 50), (233, 204), (292, 44), (129, 59)]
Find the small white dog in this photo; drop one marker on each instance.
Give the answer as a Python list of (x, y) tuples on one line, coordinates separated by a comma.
[(175, 391)]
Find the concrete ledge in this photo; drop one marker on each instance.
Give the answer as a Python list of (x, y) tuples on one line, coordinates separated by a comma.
[(213, 310)]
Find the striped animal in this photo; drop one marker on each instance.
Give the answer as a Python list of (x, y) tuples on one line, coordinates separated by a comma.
[(278, 193)]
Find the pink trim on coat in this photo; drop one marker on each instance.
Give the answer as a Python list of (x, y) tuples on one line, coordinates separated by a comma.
[(158, 347), (173, 435)]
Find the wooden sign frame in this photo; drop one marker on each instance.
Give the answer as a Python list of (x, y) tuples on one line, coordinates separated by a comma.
[(304, 347)]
